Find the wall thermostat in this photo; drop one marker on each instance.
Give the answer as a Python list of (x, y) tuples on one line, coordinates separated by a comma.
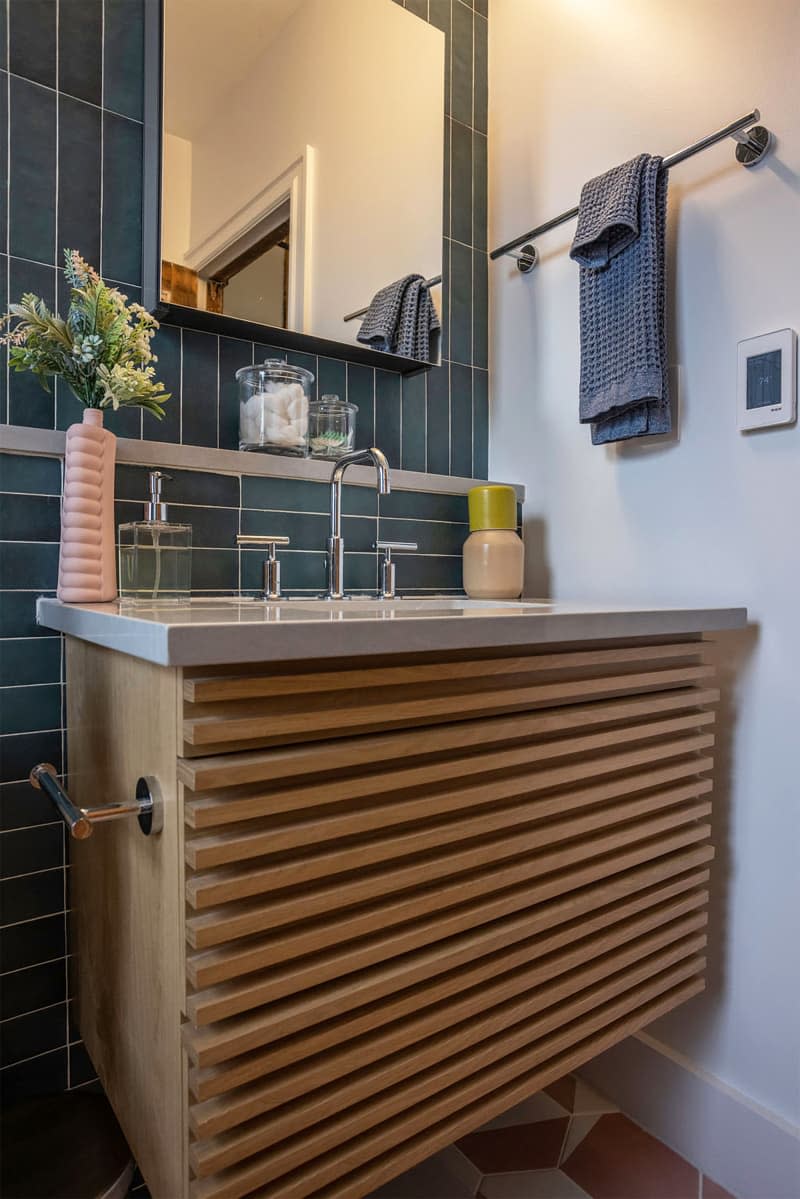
[(767, 384)]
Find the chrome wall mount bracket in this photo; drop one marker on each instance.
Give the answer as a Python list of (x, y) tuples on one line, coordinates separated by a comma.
[(147, 805)]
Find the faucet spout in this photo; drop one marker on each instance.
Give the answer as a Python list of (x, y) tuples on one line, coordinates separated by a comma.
[(335, 539)]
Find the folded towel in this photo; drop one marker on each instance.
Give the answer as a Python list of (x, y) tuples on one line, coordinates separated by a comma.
[(619, 244), (401, 319)]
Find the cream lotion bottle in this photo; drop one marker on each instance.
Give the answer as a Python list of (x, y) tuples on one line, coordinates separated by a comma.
[(494, 556)]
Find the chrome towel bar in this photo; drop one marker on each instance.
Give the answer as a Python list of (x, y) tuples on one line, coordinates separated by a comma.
[(146, 805)]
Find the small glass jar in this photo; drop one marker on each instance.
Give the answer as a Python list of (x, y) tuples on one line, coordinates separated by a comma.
[(331, 427), (273, 407)]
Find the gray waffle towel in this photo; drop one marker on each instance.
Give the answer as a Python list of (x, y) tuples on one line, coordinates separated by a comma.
[(401, 319), (619, 244)]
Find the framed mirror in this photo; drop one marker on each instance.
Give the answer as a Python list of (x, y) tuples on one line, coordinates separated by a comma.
[(294, 167)]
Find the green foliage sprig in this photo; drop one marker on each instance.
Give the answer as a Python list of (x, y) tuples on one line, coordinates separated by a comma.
[(101, 351)]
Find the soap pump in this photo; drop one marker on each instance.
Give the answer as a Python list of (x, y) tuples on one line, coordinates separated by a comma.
[(155, 554)]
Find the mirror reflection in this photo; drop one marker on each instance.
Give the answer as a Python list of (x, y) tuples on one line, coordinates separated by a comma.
[(302, 163)]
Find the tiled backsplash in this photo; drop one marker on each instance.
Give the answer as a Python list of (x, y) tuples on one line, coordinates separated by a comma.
[(72, 74)]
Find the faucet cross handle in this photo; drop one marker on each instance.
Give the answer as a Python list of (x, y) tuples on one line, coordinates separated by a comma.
[(387, 565), (272, 567)]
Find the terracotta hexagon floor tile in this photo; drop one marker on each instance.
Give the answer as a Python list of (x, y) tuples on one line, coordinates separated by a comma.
[(539, 1107), (531, 1184), (619, 1160), (516, 1147), (563, 1091)]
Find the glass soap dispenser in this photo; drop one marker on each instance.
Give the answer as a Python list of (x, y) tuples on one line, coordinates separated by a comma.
[(155, 554)]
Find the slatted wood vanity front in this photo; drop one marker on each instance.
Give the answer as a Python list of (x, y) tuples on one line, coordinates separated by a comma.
[(392, 897)]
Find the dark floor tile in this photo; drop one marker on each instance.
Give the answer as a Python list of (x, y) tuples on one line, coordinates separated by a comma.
[(199, 391), (79, 177), (166, 346), (123, 52), (22, 805), (32, 179), (80, 49), (30, 474), (29, 944), (619, 1160), (26, 709), (518, 1147), (32, 39), (37, 1032), (30, 518), (37, 987), (563, 1091), (122, 198), (711, 1190), (24, 662), (20, 753), (414, 399), (41, 1076)]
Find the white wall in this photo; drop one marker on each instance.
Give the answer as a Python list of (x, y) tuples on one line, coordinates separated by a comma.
[(362, 81), (176, 211), (575, 87)]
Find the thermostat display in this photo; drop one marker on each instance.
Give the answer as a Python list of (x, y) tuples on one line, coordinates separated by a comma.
[(767, 389)]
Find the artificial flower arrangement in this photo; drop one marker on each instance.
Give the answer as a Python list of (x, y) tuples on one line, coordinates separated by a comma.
[(101, 351)]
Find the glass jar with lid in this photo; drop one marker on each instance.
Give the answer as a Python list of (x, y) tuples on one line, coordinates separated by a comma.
[(273, 407), (331, 427)]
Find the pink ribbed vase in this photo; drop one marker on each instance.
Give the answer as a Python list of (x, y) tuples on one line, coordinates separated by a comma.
[(86, 568)]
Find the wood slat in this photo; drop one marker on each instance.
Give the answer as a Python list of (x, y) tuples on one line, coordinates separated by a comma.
[(230, 999), (674, 921), (376, 708), (277, 836), (481, 1068), (620, 877), (223, 885), (415, 1147), (444, 971), (214, 688), (236, 920), (332, 757)]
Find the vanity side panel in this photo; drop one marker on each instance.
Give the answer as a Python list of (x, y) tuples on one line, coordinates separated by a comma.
[(127, 909)]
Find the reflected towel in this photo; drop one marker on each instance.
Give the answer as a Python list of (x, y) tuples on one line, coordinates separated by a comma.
[(619, 244), (401, 319)]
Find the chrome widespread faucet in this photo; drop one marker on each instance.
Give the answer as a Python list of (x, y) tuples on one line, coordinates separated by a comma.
[(335, 540)]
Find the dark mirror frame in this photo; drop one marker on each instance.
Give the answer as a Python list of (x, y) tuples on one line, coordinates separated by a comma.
[(197, 318)]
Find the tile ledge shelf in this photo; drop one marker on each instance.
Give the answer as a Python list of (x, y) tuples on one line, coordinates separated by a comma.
[(21, 439)]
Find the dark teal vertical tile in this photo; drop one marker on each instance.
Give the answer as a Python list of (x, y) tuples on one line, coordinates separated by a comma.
[(4, 34), (32, 40), (418, 7), (27, 475), (482, 7), (387, 414), (126, 421), (309, 363), (123, 51), (462, 63), (479, 188), (233, 354), (444, 339), (361, 392), (44, 1075), (69, 409), (199, 393), (461, 303), (32, 178), (446, 190), (3, 156), (80, 49), (480, 308), (460, 420), (28, 402), (461, 185), (440, 16), (438, 419), (332, 378), (122, 198), (79, 178), (414, 449), (3, 350), (167, 348), (263, 353), (480, 102), (480, 424)]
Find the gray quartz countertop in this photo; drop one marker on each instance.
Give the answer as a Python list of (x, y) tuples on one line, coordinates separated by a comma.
[(206, 632)]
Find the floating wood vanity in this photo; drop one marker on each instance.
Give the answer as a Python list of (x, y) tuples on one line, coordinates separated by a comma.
[(411, 869)]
